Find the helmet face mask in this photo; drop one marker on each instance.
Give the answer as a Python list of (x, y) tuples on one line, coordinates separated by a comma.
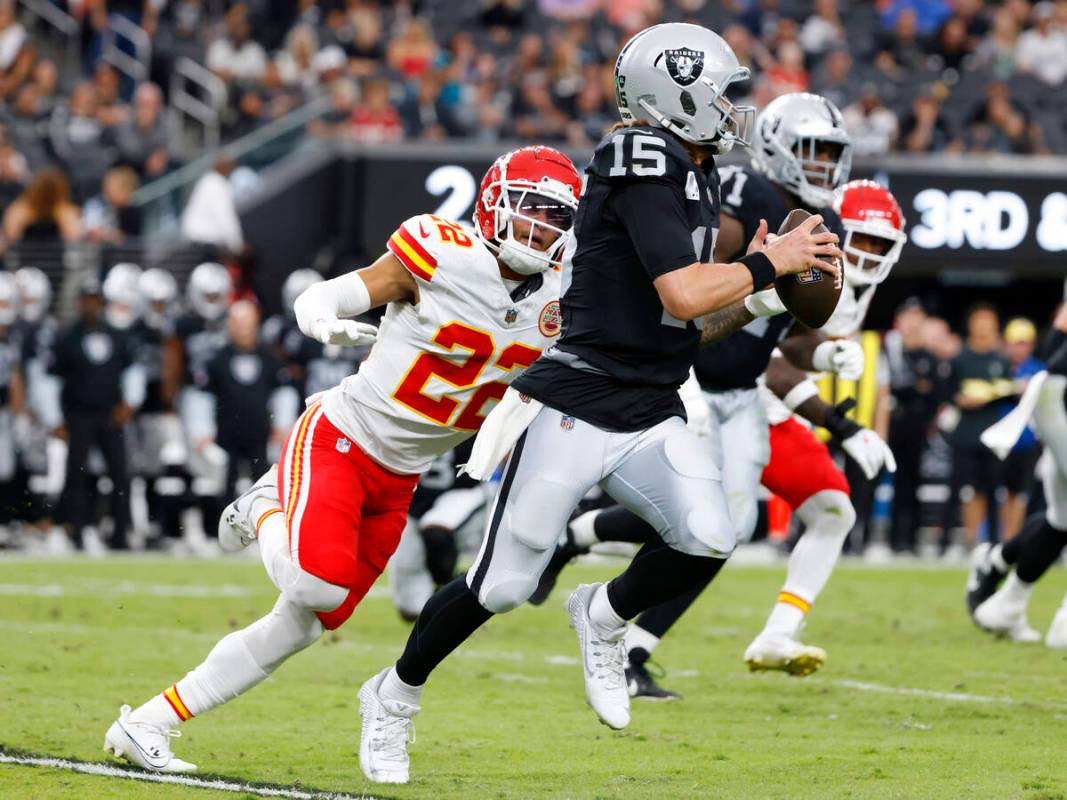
[(160, 292), (544, 227), (209, 287), (874, 231), (801, 144), (677, 75), (122, 295), (525, 208)]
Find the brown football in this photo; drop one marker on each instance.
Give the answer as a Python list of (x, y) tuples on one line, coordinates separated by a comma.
[(810, 296)]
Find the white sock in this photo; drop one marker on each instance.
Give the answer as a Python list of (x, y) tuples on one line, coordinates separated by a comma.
[(392, 688), (607, 623), (996, 558), (273, 538), (828, 516), (636, 636), (238, 662), (583, 528), (1017, 590)]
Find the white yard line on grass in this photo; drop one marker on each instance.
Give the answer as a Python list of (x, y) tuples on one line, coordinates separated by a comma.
[(953, 697), (219, 784)]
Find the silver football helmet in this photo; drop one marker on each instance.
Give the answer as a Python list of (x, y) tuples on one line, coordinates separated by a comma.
[(676, 75), (295, 285), (35, 293), (801, 144), (9, 299), (209, 289), (122, 295), (160, 293)]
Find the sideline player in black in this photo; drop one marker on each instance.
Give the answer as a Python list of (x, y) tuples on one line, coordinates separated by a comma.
[(602, 406)]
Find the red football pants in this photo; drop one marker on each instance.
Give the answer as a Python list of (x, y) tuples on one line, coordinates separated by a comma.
[(800, 465), (343, 511)]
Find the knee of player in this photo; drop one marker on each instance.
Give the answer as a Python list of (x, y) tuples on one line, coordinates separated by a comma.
[(829, 511), (506, 593), (313, 593), (714, 534)]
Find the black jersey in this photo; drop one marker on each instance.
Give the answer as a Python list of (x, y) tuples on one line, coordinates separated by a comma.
[(90, 359), (201, 340), (242, 382), (646, 209), (737, 361)]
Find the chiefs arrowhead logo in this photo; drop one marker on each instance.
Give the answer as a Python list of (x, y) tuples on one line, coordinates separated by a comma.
[(551, 319), (684, 64)]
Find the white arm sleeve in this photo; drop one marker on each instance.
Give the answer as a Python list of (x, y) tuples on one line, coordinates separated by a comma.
[(346, 296)]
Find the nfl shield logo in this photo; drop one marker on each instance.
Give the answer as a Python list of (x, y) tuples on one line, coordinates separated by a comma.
[(684, 65), (813, 275), (567, 423), (511, 316), (343, 445)]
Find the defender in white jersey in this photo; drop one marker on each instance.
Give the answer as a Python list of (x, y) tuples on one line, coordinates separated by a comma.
[(466, 314)]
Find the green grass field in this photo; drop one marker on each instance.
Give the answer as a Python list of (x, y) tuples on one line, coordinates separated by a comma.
[(914, 701)]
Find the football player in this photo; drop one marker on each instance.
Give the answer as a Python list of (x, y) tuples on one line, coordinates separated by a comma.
[(465, 315), (198, 335), (158, 429), (12, 404), (1024, 559), (602, 406), (37, 330), (801, 154)]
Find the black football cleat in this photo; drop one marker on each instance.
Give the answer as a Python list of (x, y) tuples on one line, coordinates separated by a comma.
[(984, 578)]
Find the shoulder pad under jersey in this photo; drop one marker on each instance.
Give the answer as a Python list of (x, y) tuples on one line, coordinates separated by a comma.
[(748, 195), (421, 242)]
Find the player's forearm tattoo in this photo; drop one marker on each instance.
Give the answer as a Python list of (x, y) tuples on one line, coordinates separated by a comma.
[(719, 324)]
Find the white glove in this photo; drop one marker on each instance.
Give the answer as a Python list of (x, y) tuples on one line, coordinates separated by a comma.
[(697, 411), (842, 357), (344, 332), (764, 304), (867, 449)]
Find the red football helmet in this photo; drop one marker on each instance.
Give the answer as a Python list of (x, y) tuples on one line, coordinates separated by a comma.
[(868, 208), (540, 187)]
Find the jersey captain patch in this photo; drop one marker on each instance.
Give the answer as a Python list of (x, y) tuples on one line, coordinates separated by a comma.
[(551, 319)]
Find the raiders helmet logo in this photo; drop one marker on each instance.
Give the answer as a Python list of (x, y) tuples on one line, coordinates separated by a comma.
[(684, 65)]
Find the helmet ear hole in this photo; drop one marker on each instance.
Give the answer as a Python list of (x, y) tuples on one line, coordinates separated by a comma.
[(688, 106)]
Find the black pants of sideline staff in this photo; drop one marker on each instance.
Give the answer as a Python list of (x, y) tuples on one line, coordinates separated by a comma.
[(84, 431)]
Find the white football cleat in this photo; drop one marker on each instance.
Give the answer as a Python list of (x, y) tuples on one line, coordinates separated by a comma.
[(387, 731), (781, 653), (1005, 617), (1057, 631), (603, 662), (145, 745), (237, 528)]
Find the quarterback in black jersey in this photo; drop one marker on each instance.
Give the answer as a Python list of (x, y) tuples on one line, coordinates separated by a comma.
[(801, 154), (601, 406)]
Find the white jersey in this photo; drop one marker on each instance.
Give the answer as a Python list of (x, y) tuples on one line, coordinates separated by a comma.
[(845, 323), (440, 365)]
